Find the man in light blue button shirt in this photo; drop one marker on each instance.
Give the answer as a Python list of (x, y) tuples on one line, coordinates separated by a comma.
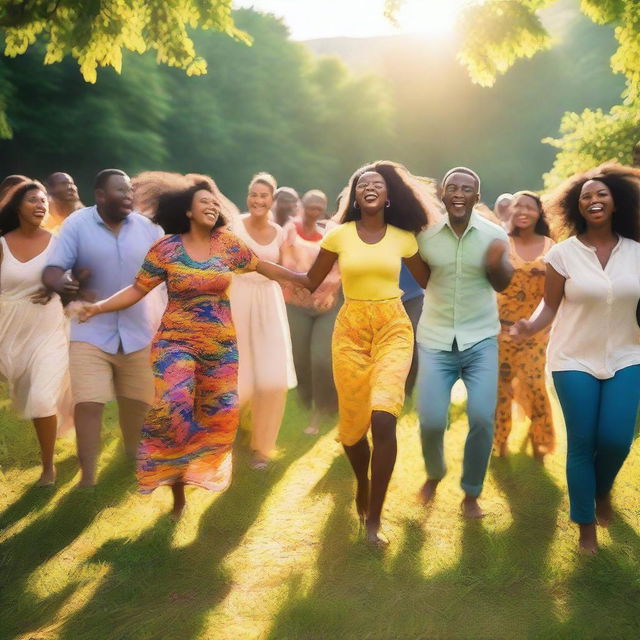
[(457, 333), (108, 242)]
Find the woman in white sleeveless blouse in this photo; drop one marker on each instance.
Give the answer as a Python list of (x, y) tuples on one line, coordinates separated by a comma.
[(33, 337)]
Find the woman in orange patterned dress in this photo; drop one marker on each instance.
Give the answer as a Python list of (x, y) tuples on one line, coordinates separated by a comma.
[(189, 431), (522, 364)]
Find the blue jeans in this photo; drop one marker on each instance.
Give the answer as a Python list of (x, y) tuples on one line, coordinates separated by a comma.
[(600, 417), (438, 371)]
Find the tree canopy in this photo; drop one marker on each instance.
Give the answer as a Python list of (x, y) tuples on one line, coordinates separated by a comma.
[(96, 33), (498, 33), (272, 106)]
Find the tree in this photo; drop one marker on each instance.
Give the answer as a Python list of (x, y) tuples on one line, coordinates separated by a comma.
[(497, 33), (97, 32)]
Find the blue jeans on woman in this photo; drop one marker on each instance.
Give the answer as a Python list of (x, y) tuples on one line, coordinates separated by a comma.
[(438, 371), (600, 417)]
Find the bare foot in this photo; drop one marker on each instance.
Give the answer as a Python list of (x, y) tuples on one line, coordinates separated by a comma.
[(314, 424), (259, 462), (87, 481), (502, 451), (539, 456), (604, 510), (362, 500), (375, 538), (588, 544), (47, 478), (428, 491), (471, 509)]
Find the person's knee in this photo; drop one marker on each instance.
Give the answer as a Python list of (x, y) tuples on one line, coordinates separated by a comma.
[(383, 427), (614, 448), (481, 418), (433, 423)]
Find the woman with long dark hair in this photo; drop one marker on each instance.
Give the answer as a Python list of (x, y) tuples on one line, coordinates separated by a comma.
[(522, 364), (33, 338), (591, 295), (373, 339), (190, 429)]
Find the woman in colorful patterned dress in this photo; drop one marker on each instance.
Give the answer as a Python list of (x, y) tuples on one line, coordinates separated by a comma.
[(190, 429), (522, 365)]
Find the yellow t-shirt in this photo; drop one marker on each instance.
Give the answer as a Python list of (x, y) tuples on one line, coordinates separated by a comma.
[(370, 271)]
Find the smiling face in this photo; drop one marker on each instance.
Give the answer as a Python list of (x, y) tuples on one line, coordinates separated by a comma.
[(259, 199), (524, 213), (63, 188), (459, 196), (315, 208), (205, 209), (371, 192), (596, 204), (33, 208)]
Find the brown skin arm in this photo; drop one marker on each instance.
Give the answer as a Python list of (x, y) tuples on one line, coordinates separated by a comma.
[(54, 280), (311, 280), (498, 267), (419, 269), (543, 316)]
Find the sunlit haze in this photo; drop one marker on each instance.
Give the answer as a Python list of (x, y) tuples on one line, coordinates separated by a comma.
[(310, 19)]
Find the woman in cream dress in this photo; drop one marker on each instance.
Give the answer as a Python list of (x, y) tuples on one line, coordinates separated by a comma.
[(266, 368), (33, 336)]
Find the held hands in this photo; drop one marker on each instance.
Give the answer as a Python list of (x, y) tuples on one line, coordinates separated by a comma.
[(42, 296), (521, 330), (82, 311)]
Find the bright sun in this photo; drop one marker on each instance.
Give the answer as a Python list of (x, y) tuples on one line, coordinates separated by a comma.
[(431, 17)]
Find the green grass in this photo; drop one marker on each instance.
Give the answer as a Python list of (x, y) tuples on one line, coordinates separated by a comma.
[(279, 555)]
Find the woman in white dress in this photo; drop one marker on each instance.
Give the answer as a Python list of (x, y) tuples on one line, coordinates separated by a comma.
[(33, 338), (266, 370)]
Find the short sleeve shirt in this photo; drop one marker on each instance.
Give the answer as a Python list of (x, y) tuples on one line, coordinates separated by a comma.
[(460, 303), (370, 271), (112, 260), (595, 329)]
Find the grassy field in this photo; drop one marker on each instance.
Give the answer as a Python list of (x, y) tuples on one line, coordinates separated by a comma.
[(280, 556)]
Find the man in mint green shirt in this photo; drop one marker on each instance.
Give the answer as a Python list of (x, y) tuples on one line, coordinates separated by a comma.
[(457, 333)]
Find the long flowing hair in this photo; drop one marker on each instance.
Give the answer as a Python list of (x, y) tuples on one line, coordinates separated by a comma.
[(562, 208), (412, 199), (166, 197)]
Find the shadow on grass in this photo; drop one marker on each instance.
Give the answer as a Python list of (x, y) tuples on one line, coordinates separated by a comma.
[(156, 591), (604, 591), (34, 498), (496, 589), (48, 535)]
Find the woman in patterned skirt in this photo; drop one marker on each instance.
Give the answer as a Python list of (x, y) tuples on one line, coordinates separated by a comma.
[(190, 429), (522, 365)]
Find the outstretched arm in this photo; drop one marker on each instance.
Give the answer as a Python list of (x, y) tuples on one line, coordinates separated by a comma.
[(311, 280), (125, 298), (546, 311)]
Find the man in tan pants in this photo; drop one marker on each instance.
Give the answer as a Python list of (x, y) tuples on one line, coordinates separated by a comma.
[(108, 242)]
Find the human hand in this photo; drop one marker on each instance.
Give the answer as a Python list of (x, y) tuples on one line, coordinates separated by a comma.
[(83, 311), (521, 330), (41, 296), (495, 254)]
